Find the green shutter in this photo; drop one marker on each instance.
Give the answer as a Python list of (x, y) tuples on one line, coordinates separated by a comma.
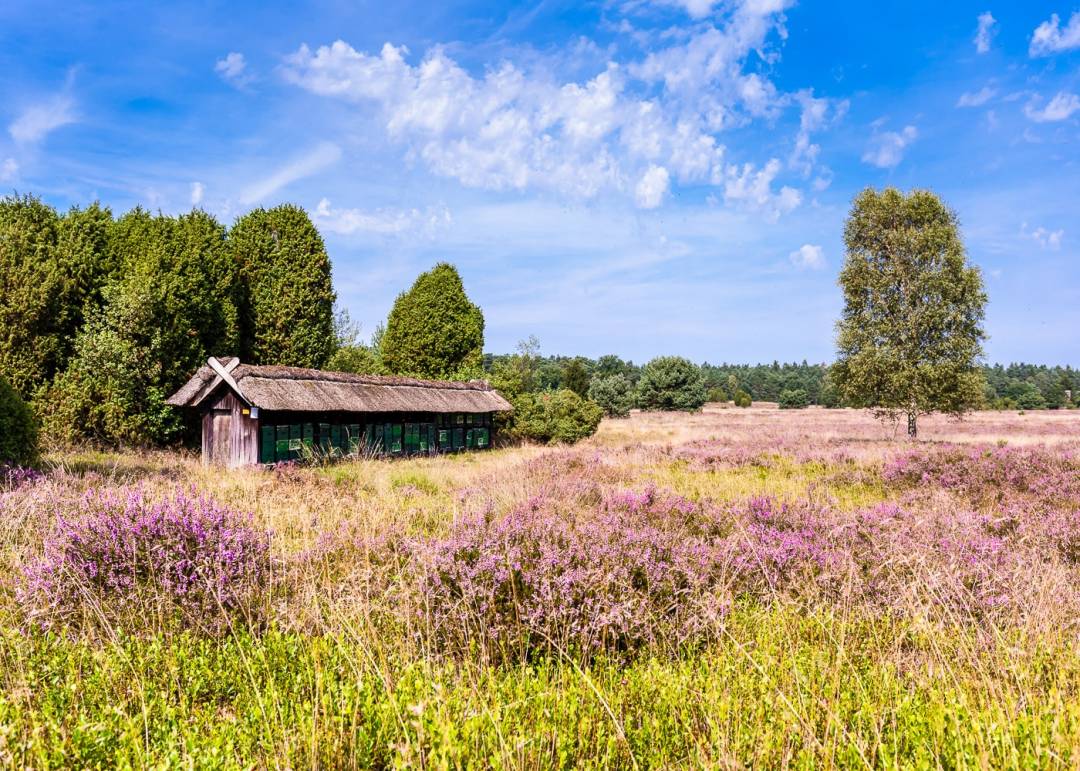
[(266, 444), (355, 439)]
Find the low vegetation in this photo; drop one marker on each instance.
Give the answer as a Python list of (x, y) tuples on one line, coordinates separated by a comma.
[(735, 587)]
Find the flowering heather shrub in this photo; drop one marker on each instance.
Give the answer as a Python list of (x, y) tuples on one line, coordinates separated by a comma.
[(16, 476), (538, 580), (120, 558), (989, 474)]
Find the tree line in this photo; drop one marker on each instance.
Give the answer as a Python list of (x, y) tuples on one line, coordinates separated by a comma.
[(105, 316)]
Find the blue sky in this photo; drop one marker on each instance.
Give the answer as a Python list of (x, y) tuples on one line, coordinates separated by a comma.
[(636, 177)]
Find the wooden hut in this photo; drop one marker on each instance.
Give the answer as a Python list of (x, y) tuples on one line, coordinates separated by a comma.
[(270, 414)]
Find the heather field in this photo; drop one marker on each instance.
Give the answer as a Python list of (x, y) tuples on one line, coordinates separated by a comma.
[(736, 588)]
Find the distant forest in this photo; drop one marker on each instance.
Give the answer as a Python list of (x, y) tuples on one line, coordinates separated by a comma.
[(1013, 386)]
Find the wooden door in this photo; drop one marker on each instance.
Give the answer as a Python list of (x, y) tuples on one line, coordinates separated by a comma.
[(221, 437)]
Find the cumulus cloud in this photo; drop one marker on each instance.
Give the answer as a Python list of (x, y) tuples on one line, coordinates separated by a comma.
[(1047, 239), (637, 127), (1051, 38), (816, 114), (808, 256), (233, 69), (985, 32), (386, 222), (753, 188), (197, 191), (1061, 107), (652, 187), (313, 161), (38, 120), (886, 148), (9, 169), (976, 98)]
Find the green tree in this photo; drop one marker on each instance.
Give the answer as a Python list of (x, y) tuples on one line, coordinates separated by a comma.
[(575, 376), (910, 335), (794, 399), (671, 383), (287, 308), (516, 374), (33, 294), (614, 394), (175, 305), (18, 429), (350, 353), (433, 330)]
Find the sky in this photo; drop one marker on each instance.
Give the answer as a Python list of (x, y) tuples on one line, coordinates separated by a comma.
[(638, 177)]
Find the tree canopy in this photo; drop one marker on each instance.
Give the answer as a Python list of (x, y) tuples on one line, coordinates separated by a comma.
[(434, 330), (287, 300), (910, 335)]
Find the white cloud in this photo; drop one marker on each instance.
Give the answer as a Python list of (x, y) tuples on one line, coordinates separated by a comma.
[(1061, 107), (976, 98), (197, 191), (808, 256), (753, 188), (621, 130), (233, 69), (986, 32), (1047, 239), (817, 113), (696, 9), (1050, 37), (9, 169), (37, 121), (381, 221), (652, 187), (313, 161), (886, 149)]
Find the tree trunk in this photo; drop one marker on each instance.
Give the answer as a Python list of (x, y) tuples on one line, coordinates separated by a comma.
[(912, 428)]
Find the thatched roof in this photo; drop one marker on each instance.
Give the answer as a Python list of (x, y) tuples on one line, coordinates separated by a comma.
[(293, 389)]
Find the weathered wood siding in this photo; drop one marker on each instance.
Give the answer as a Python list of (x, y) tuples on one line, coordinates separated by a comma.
[(229, 437)]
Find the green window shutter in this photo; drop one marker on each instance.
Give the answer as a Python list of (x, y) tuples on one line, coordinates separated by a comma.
[(266, 444), (325, 445), (281, 443)]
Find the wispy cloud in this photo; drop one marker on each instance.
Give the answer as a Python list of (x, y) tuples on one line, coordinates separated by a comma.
[(1051, 38), (318, 158), (38, 120), (1061, 107), (976, 98), (887, 148), (233, 69), (386, 222), (197, 192), (808, 256), (984, 34), (1047, 239), (9, 169)]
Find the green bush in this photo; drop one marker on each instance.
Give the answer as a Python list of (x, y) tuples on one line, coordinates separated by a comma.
[(671, 383), (714, 395), (613, 393), (794, 399), (742, 399), (18, 429), (554, 417)]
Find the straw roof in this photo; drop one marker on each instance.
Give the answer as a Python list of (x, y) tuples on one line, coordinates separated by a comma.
[(293, 389)]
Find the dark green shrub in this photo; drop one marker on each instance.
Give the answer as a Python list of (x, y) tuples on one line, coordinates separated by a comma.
[(613, 393), (18, 429), (715, 395), (554, 417), (671, 383), (794, 399), (742, 399)]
